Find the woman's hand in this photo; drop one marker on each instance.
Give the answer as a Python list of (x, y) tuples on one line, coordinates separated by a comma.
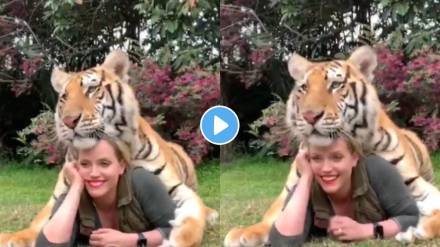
[(110, 237), (72, 174), (302, 162), (346, 229)]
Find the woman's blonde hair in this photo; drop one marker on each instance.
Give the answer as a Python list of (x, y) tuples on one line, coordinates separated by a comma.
[(121, 149), (353, 145)]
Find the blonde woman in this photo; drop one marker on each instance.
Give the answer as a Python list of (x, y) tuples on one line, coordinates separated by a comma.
[(108, 203), (344, 195)]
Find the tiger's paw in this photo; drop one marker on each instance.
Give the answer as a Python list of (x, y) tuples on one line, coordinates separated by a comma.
[(406, 237), (420, 233), (425, 208), (9, 240), (166, 243), (212, 218), (232, 239), (244, 237)]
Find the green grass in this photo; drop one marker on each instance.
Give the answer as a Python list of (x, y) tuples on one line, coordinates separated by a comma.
[(240, 192), (249, 185), (25, 190), (209, 189)]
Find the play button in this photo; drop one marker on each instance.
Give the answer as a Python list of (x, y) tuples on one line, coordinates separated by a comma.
[(219, 125)]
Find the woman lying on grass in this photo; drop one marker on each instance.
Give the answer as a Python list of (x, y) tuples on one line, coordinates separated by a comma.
[(345, 196), (109, 203)]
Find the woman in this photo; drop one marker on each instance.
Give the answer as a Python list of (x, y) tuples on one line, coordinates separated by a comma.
[(344, 195), (108, 203)]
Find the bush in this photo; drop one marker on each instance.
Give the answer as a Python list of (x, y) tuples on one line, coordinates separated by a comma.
[(180, 99), (40, 141), (414, 84), (273, 138)]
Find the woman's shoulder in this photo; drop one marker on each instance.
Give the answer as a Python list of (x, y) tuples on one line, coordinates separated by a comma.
[(140, 177), (377, 165), (380, 170)]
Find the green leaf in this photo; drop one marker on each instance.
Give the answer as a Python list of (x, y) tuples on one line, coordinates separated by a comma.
[(155, 18), (171, 26), (401, 8), (171, 5), (165, 55), (385, 3)]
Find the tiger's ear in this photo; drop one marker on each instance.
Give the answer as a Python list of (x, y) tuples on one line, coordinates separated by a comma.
[(118, 62), (298, 66), (58, 79), (365, 59)]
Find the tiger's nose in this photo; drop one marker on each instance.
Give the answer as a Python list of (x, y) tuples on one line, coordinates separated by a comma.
[(312, 117), (71, 121)]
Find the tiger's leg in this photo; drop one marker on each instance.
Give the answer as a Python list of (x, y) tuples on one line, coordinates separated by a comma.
[(27, 237), (190, 219), (420, 182), (420, 177), (211, 216), (257, 234), (429, 227)]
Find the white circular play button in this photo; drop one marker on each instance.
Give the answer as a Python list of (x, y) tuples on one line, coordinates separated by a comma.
[(219, 125)]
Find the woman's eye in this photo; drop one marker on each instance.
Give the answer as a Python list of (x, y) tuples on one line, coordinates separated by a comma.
[(104, 164), (315, 158), (84, 164), (337, 157)]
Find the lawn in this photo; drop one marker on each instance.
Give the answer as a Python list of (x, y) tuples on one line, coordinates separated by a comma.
[(245, 189), (25, 190), (249, 185)]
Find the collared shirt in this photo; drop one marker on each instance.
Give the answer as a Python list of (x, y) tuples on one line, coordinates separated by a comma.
[(143, 204), (379, 193)]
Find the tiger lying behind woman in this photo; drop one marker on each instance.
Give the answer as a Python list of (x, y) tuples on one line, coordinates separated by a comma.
[(338, 96), (99, 100)]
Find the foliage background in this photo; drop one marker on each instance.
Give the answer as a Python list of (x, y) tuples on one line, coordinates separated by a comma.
[(178, 35), (258, 36)]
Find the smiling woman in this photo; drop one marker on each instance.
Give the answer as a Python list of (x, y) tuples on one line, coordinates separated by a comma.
[(345, 195), (109, 203)]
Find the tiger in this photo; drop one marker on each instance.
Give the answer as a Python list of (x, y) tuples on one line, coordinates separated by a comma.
[(99, 101), (338, 96)]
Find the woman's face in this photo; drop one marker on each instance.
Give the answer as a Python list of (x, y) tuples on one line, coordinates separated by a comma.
[(100, 169), (332, 166)]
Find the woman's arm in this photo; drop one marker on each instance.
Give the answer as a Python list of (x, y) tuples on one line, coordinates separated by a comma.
[(42, 241), (155, 202), (291, 221), (393, 195), (345, 228), (157, 207), (61, 225), (112, 237), (293, 224)]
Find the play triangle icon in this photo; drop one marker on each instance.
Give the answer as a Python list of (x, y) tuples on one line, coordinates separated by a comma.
[(219, 125)]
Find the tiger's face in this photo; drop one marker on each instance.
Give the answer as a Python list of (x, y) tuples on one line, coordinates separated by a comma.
[(323, 102), (81, 113)]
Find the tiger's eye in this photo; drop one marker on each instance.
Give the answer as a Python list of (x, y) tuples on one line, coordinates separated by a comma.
[(303, 87), (336, 84)]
